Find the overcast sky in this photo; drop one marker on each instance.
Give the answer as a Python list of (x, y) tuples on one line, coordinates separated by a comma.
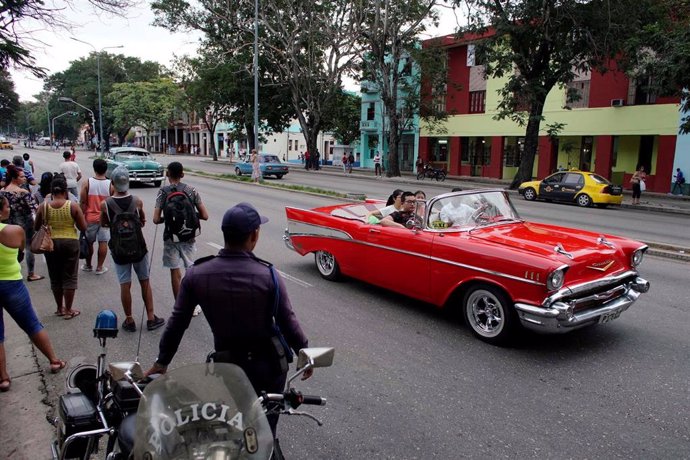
[(135, 33)]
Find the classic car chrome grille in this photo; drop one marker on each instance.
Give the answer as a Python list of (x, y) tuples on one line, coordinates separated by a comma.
[(592, 295), (143, 173)]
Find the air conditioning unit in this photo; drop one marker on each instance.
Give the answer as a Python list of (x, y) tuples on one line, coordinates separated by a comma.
[(617, 102)]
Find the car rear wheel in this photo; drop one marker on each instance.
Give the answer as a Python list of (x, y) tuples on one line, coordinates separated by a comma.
[(530, 194), (584, 200), (327, 265), (238, 172), (279, 176), (488, 312)]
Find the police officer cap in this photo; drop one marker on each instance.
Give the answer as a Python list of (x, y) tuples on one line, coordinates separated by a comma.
[(242, 218)]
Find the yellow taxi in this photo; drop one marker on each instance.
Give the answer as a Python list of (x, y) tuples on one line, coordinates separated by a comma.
[(6, 145), (582, 187)]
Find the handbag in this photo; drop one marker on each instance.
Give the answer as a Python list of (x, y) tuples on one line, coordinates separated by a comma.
[(643, 187), (42, 240), (83, 246)]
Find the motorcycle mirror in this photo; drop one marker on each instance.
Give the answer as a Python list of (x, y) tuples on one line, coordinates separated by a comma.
[(317, 357), (120, 371)]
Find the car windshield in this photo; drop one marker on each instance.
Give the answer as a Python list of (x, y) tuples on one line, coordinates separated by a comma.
[(202, 411), (270, 159), (133, 154), (467, 210)]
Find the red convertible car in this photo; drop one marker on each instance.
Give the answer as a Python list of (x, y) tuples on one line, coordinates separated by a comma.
[(470, 250)]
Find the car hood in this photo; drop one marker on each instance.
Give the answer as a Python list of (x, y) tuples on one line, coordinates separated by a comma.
[(142, 164), (589, 256)]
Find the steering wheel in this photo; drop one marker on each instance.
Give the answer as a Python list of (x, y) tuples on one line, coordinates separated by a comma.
[(480, 216)]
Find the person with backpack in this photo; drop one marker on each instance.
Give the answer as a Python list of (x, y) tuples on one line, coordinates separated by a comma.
[(124, 215), (94, 192), (179, 207)]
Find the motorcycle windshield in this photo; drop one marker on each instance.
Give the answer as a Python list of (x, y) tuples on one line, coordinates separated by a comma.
[(202, 411)]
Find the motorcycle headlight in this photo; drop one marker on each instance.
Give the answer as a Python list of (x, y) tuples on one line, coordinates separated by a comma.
[(555, 279), (637, 257)]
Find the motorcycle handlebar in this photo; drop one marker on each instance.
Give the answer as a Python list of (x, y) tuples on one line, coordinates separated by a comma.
[(314, 400)]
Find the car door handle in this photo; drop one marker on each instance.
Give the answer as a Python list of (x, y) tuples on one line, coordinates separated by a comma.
[(374, 230)]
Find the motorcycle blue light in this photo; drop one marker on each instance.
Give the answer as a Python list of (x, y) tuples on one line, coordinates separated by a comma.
[(106, 324)]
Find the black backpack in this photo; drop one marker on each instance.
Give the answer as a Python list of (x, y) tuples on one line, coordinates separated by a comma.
[(127, 243), (180, 216)]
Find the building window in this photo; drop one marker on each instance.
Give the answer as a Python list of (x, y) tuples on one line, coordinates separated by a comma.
[(642, 89), (477, 101), (439, 97), (578, 91), (371, 111), (439, 150), (513, 150)]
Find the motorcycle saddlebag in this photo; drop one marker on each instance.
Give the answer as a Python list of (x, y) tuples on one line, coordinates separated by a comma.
[(77, 414), (125, 396)]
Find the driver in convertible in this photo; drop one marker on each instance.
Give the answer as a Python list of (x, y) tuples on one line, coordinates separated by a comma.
[(400, 218), (457, 212)]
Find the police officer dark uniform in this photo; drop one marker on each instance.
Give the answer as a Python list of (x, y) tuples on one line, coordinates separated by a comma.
[(235, 290)]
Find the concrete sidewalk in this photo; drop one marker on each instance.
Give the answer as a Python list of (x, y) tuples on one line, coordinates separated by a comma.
[(24, 430)]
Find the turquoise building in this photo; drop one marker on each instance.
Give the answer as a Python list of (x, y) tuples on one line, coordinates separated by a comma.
[(374, 126)]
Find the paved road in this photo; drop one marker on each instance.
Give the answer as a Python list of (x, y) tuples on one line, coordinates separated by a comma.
[(412, 383)]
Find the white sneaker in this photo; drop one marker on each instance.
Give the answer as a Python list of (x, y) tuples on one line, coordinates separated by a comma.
[(197, 311)]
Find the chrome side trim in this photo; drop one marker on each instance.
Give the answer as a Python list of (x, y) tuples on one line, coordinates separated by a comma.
[(327, 232)]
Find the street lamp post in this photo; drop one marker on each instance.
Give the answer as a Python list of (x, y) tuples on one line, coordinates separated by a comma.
[(52, 122), (98, 77), (69, 99)]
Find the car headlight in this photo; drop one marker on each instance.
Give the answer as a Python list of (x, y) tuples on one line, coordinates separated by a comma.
[(555, 279), (637, 257)]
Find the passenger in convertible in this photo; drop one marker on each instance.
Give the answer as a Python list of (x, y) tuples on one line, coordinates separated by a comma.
[(400, 218), (393, 204)]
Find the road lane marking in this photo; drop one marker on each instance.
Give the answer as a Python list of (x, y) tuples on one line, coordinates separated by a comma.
[(288, 277)]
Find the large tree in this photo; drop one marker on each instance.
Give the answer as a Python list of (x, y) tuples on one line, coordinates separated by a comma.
[(149, 104), (305, 46), (539, 44), (344, 121), (18, 18), (80, 82), (660, 51), (218, 88), (392, 62), (9, 99)]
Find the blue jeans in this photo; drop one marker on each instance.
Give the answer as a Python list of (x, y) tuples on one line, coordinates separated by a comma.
[(14, 297)]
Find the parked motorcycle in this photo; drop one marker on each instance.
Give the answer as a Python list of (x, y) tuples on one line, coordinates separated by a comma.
[(199, 411), (432, 173)]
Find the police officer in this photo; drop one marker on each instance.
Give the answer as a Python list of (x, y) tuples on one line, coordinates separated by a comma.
[(236, 292)]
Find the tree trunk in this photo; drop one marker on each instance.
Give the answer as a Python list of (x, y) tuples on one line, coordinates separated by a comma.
[(393, 142), (524, 172)]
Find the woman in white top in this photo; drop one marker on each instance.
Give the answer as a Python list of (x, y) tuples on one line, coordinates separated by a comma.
[(393, 204)]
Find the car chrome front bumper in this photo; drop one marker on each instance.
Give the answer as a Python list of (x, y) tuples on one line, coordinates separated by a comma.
[(287, 240), (560, 317)]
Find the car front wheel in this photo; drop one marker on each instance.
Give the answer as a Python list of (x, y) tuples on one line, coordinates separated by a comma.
[(327, 265), (584, 200), (530, 194), (279, 176), (238, 172), (488, 312), (157, 183)]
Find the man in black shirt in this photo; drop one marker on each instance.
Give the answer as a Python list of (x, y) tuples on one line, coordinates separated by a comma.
[(400, 218)]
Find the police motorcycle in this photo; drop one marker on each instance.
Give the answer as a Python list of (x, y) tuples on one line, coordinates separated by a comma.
[(199, 411)]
